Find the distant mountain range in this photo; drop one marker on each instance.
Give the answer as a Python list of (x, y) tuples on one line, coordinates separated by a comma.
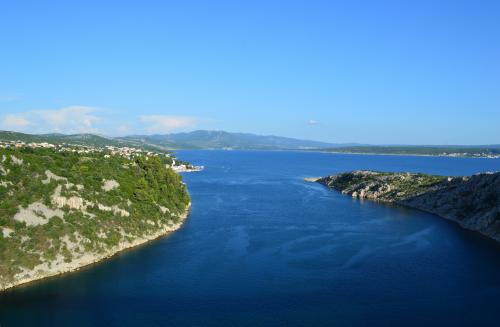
[(192, 140), (225, 140), (244, 141)]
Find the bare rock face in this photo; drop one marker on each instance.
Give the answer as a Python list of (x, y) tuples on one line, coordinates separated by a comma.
[(473, 202), (110, 184)]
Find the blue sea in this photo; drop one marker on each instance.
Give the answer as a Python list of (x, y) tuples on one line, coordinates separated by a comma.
[(264, 248)]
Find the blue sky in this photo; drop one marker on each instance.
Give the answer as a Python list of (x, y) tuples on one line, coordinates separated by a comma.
[(381, 72)]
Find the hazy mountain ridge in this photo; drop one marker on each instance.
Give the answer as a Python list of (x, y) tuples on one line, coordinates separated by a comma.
[(203, 139)]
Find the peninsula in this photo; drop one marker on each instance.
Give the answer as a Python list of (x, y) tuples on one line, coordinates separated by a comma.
[(66, 206), (471, 201), (478, 151)]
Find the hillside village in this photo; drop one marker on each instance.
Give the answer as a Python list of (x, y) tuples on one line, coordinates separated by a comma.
[(109, 150)]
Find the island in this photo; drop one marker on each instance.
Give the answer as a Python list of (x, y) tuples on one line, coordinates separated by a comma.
[(66, 206), (471, 201)]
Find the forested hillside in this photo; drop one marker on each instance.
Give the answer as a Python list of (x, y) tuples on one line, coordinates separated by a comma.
[(62, 209)]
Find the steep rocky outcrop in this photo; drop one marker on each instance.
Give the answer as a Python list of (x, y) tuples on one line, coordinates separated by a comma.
[(471, 201)]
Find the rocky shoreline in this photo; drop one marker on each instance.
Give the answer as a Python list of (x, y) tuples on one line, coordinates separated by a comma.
[(92, 258), (471, 201)]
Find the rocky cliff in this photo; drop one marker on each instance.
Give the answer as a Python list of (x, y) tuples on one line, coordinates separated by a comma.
[(471, 201)]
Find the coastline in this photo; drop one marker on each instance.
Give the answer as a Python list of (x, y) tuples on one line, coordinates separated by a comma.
[(486, 233), (450, 218), (408, 154), (92, 258), (468, 201)]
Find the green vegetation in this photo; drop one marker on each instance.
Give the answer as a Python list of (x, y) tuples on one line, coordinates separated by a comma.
[(57, 206), (79, 139), (382, 185)]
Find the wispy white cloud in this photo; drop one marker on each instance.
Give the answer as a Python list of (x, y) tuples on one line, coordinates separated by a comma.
[(312, 122), (79, 119), (85, 119), (71, 119), (167, 124), (15, 121)]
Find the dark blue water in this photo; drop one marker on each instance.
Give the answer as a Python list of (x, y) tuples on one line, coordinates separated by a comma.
[(264, 248)]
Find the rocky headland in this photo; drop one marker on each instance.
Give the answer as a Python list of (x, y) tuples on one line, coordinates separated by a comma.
[(471, 201), (64, 208)]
